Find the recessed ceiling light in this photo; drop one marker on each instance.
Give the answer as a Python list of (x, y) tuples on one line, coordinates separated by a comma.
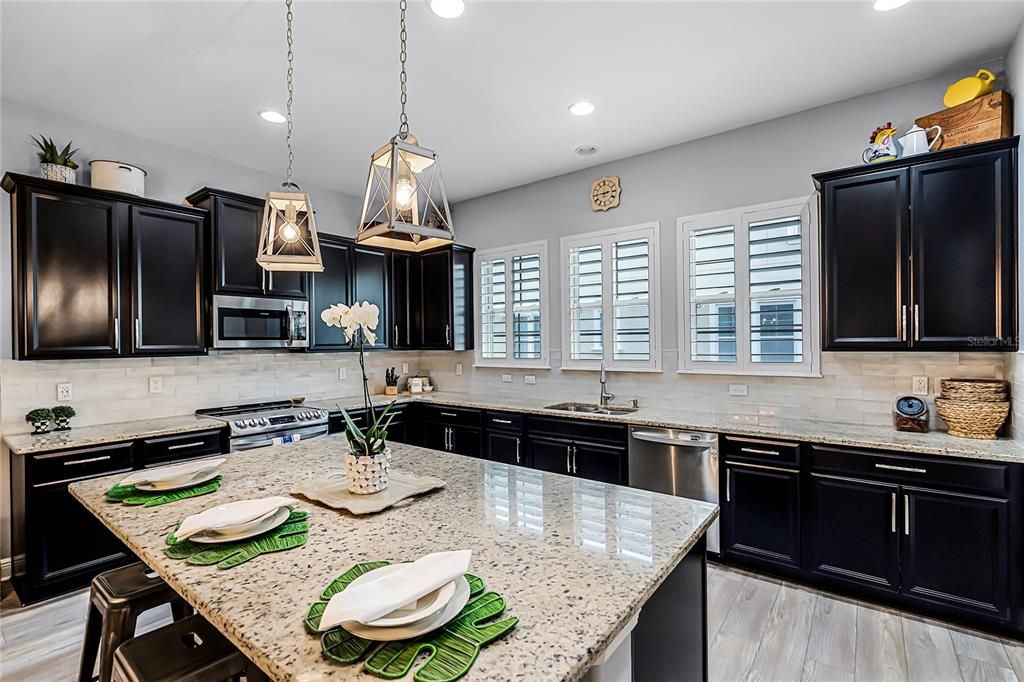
[(886, 5), (581, 108), (447, 9), (272, 116), (586, 150)]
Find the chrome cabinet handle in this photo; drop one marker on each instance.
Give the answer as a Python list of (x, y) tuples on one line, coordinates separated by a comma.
[(138, 332), (447, 333), (72, 462), (568, 449), (893, 467), (917, 323), (449, 414), (117, 333), (762, 466), (396, 333), (517, 451), (759, 451), (574, 459), (196, 444), (893, 514), (906, 514), (728, 484), (903, 333), (501, 421), (448, 440)]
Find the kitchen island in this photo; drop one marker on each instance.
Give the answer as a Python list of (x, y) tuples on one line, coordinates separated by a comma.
[(576, 561)]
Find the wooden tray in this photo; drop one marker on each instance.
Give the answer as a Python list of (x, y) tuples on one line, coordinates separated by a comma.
[(333, 492)]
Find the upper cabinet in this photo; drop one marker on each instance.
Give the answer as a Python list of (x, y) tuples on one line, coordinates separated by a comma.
[(235, 222), (103, 274), (434, 299), (920, 253)]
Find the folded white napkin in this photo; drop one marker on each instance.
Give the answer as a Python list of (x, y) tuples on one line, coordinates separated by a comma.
[(231, 514), (369, 601), (173, 472)]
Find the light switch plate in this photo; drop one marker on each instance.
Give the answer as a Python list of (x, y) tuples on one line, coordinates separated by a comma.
[(458, 369), (405, 368), (530, 379), (506, 378), (156, 384), (738, 389), (342, 373), (64, 392), (920, 385)]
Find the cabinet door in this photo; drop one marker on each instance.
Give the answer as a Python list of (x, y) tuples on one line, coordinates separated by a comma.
[(435, 299), (236, 227), (463, 330), (370, 283), (851, 533), (551, 454), (403, 313), (956, 551), (67, 290), (435, 436), (287, 284), (761, 514), (964, 274), (466, 440), (327, 288), (505, 446), (605, 463), (167, 282), (865, 271)]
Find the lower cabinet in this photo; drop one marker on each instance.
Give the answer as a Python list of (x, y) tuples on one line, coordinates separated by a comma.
[(761, 514), (505, 446), (549, 454), (594, 451)]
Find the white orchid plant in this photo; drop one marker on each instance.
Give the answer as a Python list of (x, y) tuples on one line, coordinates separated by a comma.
[(359, 322)]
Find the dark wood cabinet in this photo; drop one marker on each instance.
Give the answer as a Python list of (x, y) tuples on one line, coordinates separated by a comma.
[(330, 287), (920, 253), (593, 451), (370, 283), (504, 446), (404, 315), (433, 299), (761, 514), (551, 454), (465, 440), (596, 462)]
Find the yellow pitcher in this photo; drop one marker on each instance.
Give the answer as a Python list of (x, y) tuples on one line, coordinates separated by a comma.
[(972, 87)]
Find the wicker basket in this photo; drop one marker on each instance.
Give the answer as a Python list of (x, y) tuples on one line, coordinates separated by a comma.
[(978, 419), (974, 390)]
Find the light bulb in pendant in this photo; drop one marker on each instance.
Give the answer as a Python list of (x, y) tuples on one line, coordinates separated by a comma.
[(403, 194), (290, 231)]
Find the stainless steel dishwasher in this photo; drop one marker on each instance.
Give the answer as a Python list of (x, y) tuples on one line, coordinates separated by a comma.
[(675, 462)]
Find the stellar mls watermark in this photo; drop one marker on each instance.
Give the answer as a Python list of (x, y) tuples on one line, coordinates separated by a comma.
[(991, 341)]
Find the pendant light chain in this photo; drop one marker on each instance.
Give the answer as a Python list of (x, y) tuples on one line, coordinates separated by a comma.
[(291, 94), (403, 128)]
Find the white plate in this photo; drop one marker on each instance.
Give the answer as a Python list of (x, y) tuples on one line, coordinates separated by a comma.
[(260, 526), (231, 514), (172, 472), (421, 627), (426, 606), (201, 477), (333, 491)]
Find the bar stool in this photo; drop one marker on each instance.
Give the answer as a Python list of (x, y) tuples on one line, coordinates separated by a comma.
[(116, 600), (188, 650)]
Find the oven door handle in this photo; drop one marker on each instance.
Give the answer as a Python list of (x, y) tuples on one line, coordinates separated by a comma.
[(259, 440)]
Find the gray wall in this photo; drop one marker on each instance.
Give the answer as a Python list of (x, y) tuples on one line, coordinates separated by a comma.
[(1015, 84)]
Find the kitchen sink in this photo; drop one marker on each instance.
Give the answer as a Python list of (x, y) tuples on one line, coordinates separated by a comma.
[(590, 408)]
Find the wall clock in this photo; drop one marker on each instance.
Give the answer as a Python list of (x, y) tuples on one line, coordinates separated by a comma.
[(604, 193)]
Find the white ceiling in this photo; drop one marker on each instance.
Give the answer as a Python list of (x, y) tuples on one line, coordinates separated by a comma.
[(489, 91)]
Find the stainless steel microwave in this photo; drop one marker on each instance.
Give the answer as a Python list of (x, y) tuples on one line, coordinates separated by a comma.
[(257, 322)]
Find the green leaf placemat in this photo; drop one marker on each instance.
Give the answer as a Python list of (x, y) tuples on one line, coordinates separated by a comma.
[(129, 494), (292, 533), (452, 649)]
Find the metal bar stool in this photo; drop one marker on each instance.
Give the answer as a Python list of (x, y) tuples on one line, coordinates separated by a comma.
[(116, 600), (188, 650)]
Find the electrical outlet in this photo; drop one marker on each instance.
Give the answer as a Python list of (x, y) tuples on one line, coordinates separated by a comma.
[(920, 386), (64, 392), (156, 384), (530, 379), (506, 378), (737, 389), (342, 373), (405, 368), (458, 369)]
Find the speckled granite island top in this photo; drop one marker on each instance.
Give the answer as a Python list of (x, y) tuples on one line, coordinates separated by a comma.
[(82, 436), (575, 559)]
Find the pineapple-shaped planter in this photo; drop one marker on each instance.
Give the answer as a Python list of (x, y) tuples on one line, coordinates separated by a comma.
[(367, 474)]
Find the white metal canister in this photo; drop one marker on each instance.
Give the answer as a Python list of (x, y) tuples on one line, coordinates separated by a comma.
[(117, 176)]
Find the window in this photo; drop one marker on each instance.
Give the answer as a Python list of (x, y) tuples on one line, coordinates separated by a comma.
[(610, 279), (747, 283), (511, 300)]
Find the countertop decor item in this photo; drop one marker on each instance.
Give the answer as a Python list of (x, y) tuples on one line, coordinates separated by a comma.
[(62, 415), (882, 145), (910, 413), (452, 649), (333, 491), (915, 141), (130, 495), (972, 87), (288, 239), (40, 419), (391, 382), (605, 193), (293, 533), (984, 390), (405, 206), (117, 176), (973, 408), (989, 117), (56, 164)]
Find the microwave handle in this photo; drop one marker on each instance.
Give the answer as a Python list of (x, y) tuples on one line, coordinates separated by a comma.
[(288, 325)]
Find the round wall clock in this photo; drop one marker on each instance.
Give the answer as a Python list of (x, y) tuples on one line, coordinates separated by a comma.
[(604, 193)]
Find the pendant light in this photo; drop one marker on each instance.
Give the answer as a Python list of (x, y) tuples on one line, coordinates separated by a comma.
[(405, 206), (288, 239)]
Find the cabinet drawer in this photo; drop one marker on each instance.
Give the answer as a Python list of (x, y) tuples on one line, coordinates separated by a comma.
[(956, 474), (181, 446), (578, 429), (451, 415), (759, 449), (53, 467), (505, 421)]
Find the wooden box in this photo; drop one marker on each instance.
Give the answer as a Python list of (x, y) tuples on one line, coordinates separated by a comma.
[(988, 117)]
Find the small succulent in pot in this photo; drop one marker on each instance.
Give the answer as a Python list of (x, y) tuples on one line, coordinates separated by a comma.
[(62, 415), (56, 163), (40, 419)]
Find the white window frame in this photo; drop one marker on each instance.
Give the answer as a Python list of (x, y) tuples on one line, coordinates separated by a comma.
[(606, 238), (741, 218), (507, 253)]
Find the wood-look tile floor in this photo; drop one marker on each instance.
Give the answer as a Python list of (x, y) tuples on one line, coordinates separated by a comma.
[(758, 629)]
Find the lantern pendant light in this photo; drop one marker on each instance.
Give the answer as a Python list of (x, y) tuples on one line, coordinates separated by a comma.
[(405, 206), (288, 239)]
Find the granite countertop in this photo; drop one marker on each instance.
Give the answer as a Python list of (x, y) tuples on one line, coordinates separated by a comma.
[(858, 435), (82, 436), (575, 559)]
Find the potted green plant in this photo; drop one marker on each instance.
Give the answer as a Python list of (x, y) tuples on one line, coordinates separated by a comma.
[(62, 415), (55, 163), (40, 419), (368, 461)]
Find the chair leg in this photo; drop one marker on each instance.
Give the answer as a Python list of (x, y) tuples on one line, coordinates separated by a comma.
[(91, 645), (118, 626), (181, 609)]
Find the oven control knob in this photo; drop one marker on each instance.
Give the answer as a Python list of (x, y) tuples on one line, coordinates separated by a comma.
[(252, 422), (300, 416), (263, 421), (238, 424), (310, 415)]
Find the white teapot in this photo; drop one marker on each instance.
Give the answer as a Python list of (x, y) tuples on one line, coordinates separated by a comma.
[(916, 140)]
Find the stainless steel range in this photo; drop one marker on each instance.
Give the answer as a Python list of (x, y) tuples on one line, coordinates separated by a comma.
[(261, 424)]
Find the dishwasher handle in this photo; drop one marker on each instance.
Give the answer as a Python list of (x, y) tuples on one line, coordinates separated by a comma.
[(664, 438)]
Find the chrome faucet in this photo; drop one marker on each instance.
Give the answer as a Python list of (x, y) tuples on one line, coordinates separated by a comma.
[(605, 395)]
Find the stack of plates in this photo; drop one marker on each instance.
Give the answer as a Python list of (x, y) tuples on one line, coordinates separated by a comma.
[(176, 476), (236, 521)]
